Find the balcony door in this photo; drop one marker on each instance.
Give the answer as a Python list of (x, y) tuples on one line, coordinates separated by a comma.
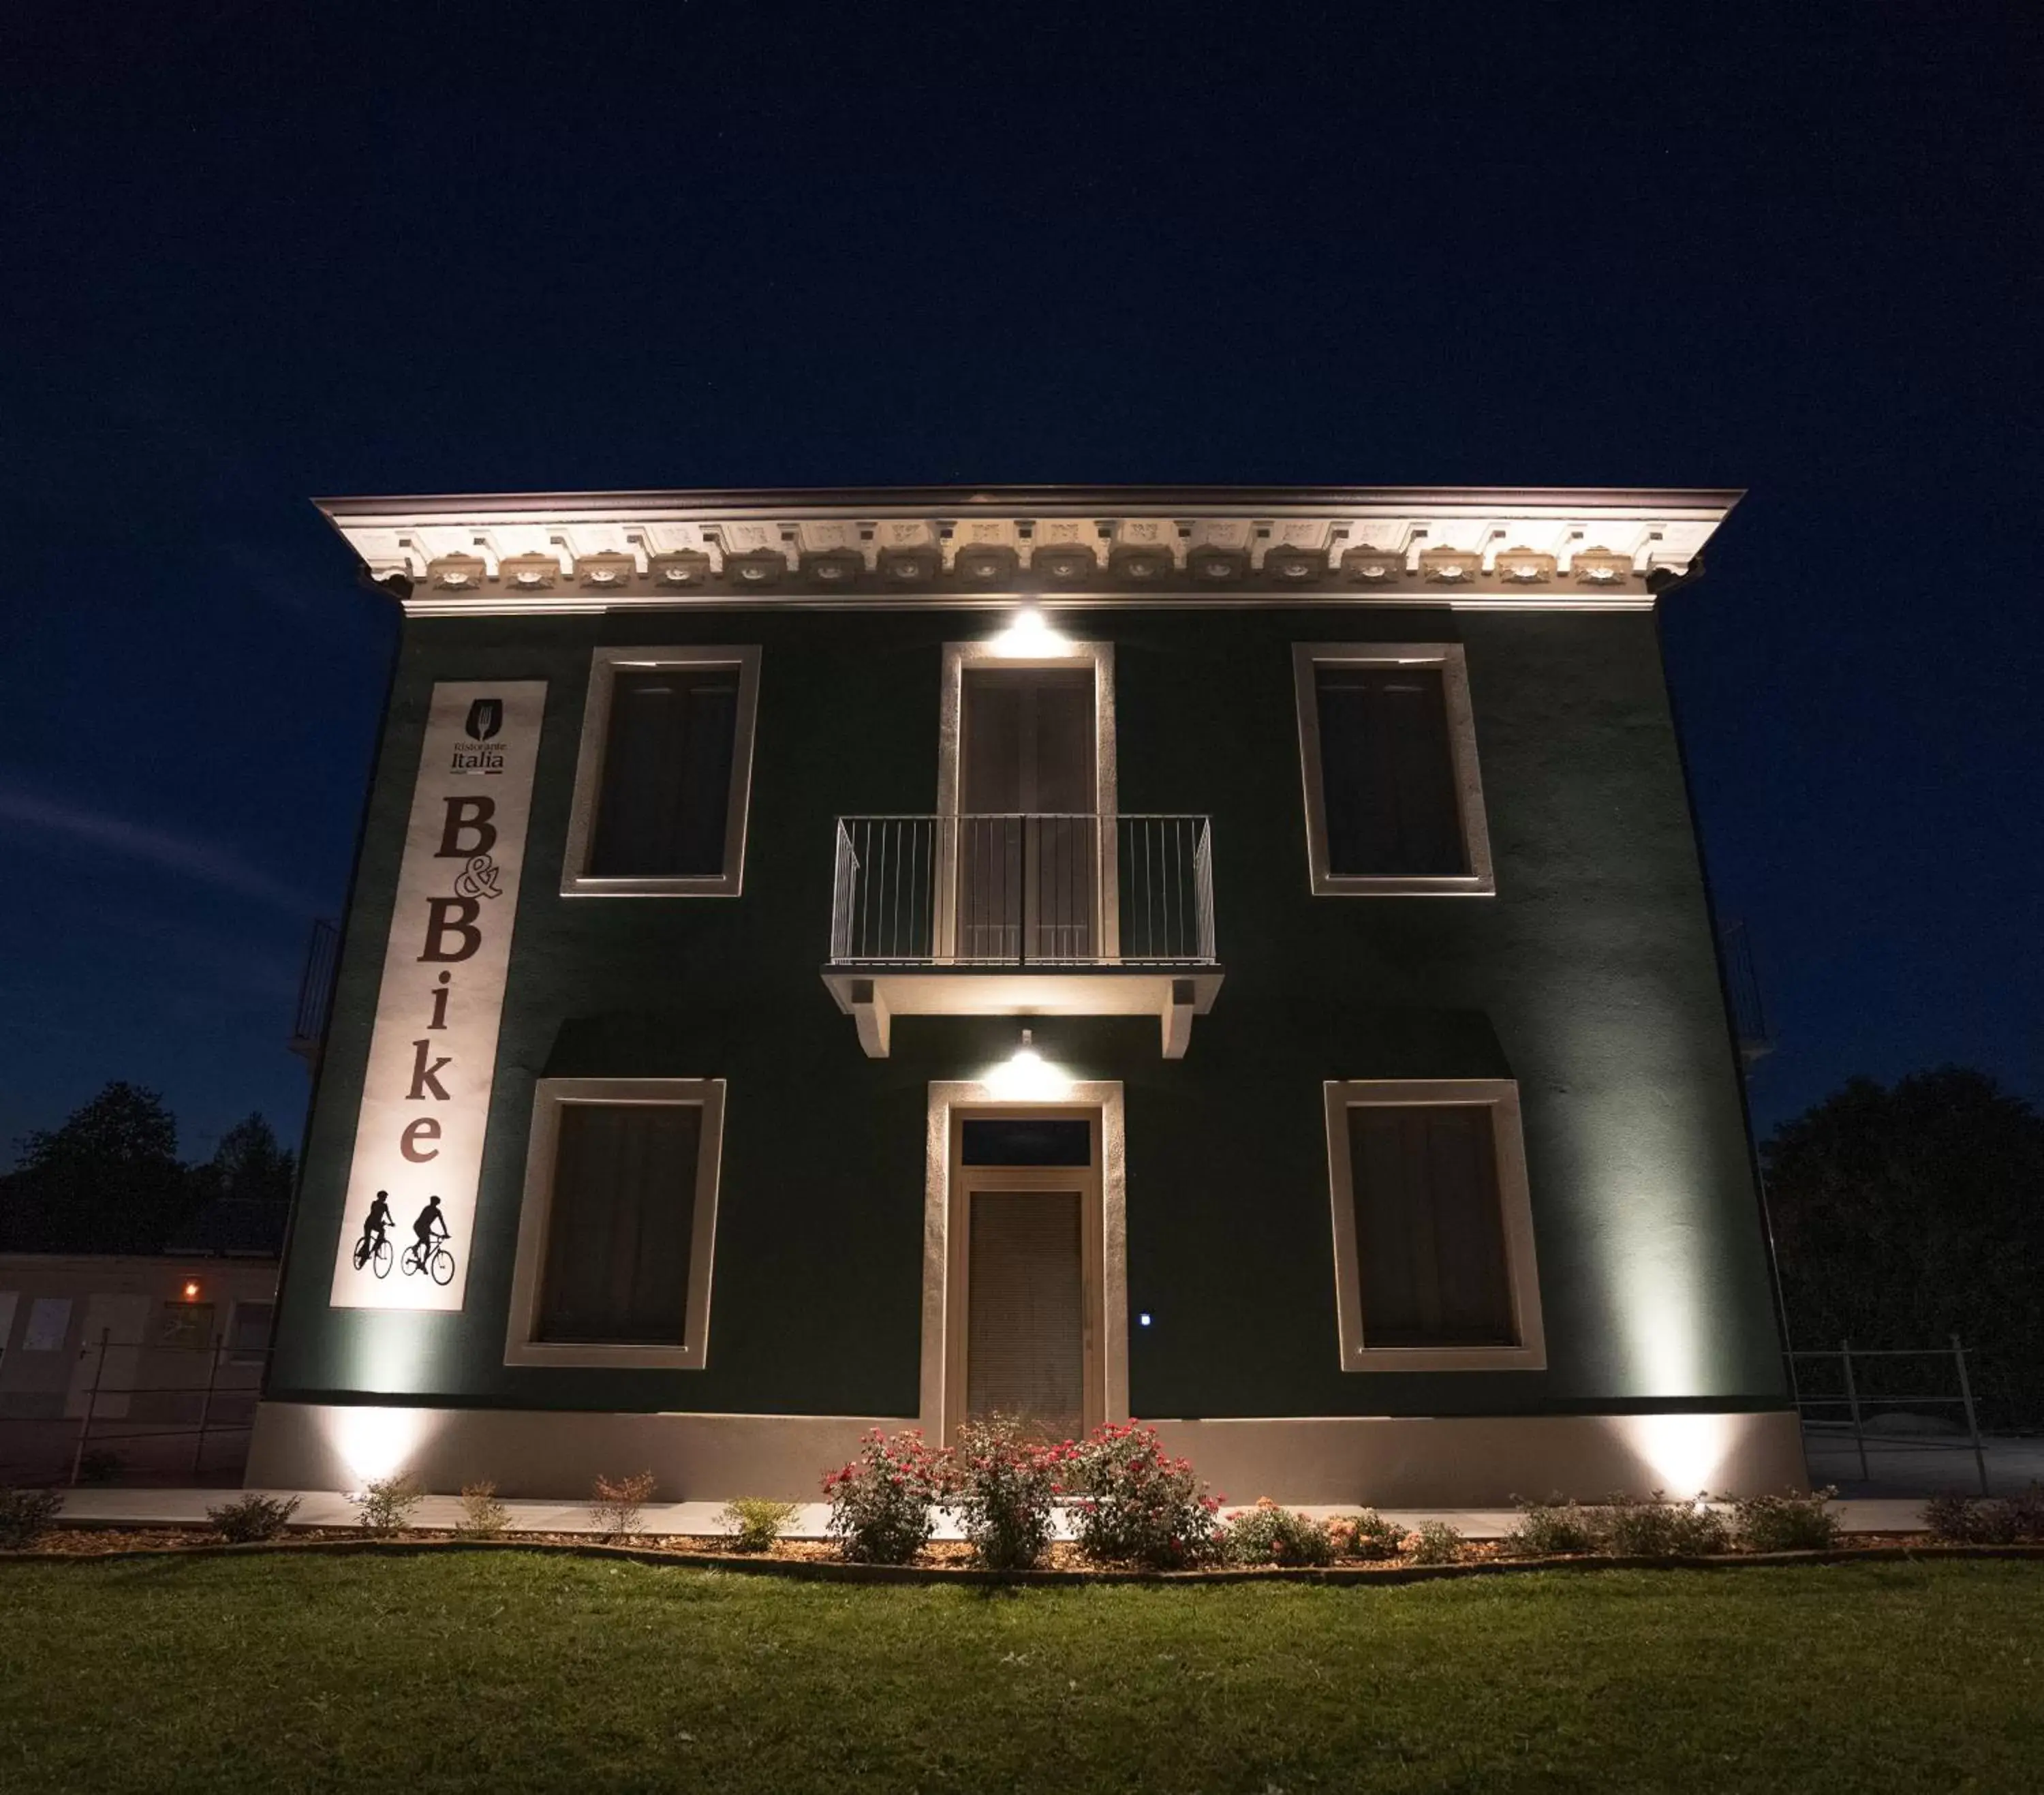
[(1027, 851)]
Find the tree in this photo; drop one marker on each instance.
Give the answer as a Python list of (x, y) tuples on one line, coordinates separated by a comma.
[(107, 1181), (1905, 1213), (248, 1167)]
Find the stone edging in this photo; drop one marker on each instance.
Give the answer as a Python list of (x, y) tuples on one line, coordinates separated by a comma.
[(829, 1570)]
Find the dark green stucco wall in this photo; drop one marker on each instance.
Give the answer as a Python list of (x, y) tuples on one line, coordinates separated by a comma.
[(1589, 978)]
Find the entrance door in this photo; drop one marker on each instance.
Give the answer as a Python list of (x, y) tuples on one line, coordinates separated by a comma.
[(1025, 1266), (1027, 852)]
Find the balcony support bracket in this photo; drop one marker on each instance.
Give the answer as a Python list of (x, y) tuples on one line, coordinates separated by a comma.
[(1178, 1017), (875, 1020)]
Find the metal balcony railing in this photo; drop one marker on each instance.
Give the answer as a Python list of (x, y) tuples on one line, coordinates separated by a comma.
[(1023, 891), (315, 991)]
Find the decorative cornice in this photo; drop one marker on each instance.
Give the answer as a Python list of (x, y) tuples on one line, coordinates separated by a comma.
[(1468, 548)]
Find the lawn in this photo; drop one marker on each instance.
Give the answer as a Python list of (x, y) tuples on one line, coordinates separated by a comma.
[(519, 1671)]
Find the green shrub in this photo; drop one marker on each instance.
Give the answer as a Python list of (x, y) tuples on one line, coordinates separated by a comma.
[(1437, 1543), (252, 1517), (1974, 1520), (1555, 1528), (26, 1515), (755, 1522), (1138, 1505), (1268, 1534), (617, 1505), (386, 1503), (883, 1503), (2029, 1508), (1657, 1528), (1366, 1536), (1787, 1522), (483, 1515), (1001, 1481)]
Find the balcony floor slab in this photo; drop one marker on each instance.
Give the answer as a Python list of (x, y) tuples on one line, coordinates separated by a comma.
[(874, 995)]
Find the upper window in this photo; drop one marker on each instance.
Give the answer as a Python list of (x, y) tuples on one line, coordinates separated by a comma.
[(1433, 1232), (667, 764), (620, 1222), (1388, 750)]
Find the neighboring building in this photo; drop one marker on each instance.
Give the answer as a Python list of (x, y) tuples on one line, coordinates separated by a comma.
[(1234, 958), (152, 1362)]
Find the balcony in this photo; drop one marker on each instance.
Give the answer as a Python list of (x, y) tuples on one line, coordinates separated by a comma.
[(1023, 915)]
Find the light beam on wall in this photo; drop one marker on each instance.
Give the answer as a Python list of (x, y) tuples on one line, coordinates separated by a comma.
[(1687, 1452), (377, 1442)]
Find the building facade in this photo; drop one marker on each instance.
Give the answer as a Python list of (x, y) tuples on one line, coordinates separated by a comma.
[(1235, 958)]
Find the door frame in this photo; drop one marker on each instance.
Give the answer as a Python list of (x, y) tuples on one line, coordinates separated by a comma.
[(951, 735), (946, 1194)]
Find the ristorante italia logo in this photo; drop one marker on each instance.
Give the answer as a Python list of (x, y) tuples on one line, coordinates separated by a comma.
[(426, 1099), (484, 722)]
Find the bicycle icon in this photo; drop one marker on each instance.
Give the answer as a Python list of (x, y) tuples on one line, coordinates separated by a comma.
[(438, 1263)]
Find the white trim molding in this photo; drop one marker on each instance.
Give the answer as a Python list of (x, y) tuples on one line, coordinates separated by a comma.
[(1479, 881), (550, 1097), (951, 1101), (1500, 1096), (1458, 548), (605, 664)]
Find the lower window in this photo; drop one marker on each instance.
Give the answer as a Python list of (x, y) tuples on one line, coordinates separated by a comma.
[(619, 1224), (1434, 1267)]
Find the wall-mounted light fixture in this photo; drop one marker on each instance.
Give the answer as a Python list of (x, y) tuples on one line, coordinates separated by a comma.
[(1027, 1077), (1028, 637)]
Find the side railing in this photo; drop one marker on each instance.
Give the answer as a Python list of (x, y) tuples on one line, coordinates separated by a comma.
[(315, 991), (1023, 889), (1842, 1391)]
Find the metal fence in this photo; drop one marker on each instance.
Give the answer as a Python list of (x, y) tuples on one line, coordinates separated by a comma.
[(1857, 1385), (1018, 890), (147, 1413)]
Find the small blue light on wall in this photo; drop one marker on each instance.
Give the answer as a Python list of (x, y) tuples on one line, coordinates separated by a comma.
[(1143, 1320)]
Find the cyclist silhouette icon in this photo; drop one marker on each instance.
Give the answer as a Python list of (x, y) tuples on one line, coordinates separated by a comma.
[(374, 1248), (427, 1255)]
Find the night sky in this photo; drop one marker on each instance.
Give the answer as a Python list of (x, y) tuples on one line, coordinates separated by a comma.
[(250, 259)]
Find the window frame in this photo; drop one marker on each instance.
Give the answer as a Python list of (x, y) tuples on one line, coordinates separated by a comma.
[(1480, 881), (605, 664), (550, 1097), (237, 1355), (1521, 1269)]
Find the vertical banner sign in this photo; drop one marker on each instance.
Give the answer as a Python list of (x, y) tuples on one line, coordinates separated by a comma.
[(433, 1057)]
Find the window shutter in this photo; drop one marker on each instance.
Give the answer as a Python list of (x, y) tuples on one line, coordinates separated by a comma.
[(666, 774), (1025, 1326), (1387, 772), (619, 1223), (1429, 1227)]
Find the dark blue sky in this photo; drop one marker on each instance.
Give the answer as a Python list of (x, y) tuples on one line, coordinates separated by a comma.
[(252, 258)]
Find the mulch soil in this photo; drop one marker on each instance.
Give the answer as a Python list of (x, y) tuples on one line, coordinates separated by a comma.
[(942, 1560)]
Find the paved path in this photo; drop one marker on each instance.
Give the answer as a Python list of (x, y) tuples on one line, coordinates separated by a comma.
[(1922, 1465), (318, 1507)]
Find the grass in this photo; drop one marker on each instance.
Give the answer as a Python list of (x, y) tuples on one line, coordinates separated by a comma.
[(510, 1670)]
